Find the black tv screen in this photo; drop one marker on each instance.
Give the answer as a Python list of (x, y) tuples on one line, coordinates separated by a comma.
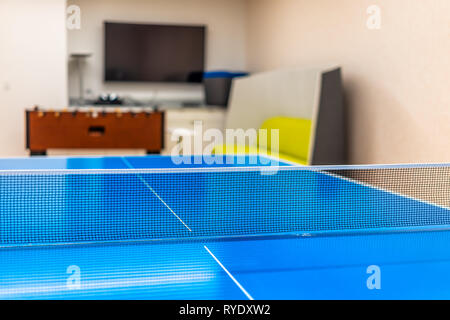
[(154, 53)]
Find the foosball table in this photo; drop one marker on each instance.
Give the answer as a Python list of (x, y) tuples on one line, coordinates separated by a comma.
[(94, 128)]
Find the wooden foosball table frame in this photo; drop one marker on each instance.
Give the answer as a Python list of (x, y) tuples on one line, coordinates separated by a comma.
[(94, 129)]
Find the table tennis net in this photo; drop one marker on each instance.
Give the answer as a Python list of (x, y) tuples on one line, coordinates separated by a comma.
[(70, 206)]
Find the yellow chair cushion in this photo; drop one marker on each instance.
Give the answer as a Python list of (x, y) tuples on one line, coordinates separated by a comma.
[(294, 137), (294, 133), (289, 158), (236, 149), (241, 150)]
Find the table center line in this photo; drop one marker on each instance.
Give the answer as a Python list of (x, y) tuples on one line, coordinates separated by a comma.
[(206, 248), (156, 194), (229, 274)]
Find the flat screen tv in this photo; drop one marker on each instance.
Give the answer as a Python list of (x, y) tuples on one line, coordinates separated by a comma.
[(154, 53)]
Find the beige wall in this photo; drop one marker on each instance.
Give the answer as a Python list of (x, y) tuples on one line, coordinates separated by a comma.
[(226, 39), (396, 78), (33, 70)]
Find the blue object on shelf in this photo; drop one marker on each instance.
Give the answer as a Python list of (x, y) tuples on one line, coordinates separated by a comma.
[(223, 74), (218, 86)]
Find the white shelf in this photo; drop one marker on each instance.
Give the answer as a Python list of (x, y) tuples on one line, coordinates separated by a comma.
[(183, 119)]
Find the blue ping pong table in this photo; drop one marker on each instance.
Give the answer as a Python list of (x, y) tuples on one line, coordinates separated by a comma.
[(133, 228)]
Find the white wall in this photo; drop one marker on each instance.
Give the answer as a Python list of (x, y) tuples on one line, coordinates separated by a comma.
[(226, 41), (33, 51), (396, 78)]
